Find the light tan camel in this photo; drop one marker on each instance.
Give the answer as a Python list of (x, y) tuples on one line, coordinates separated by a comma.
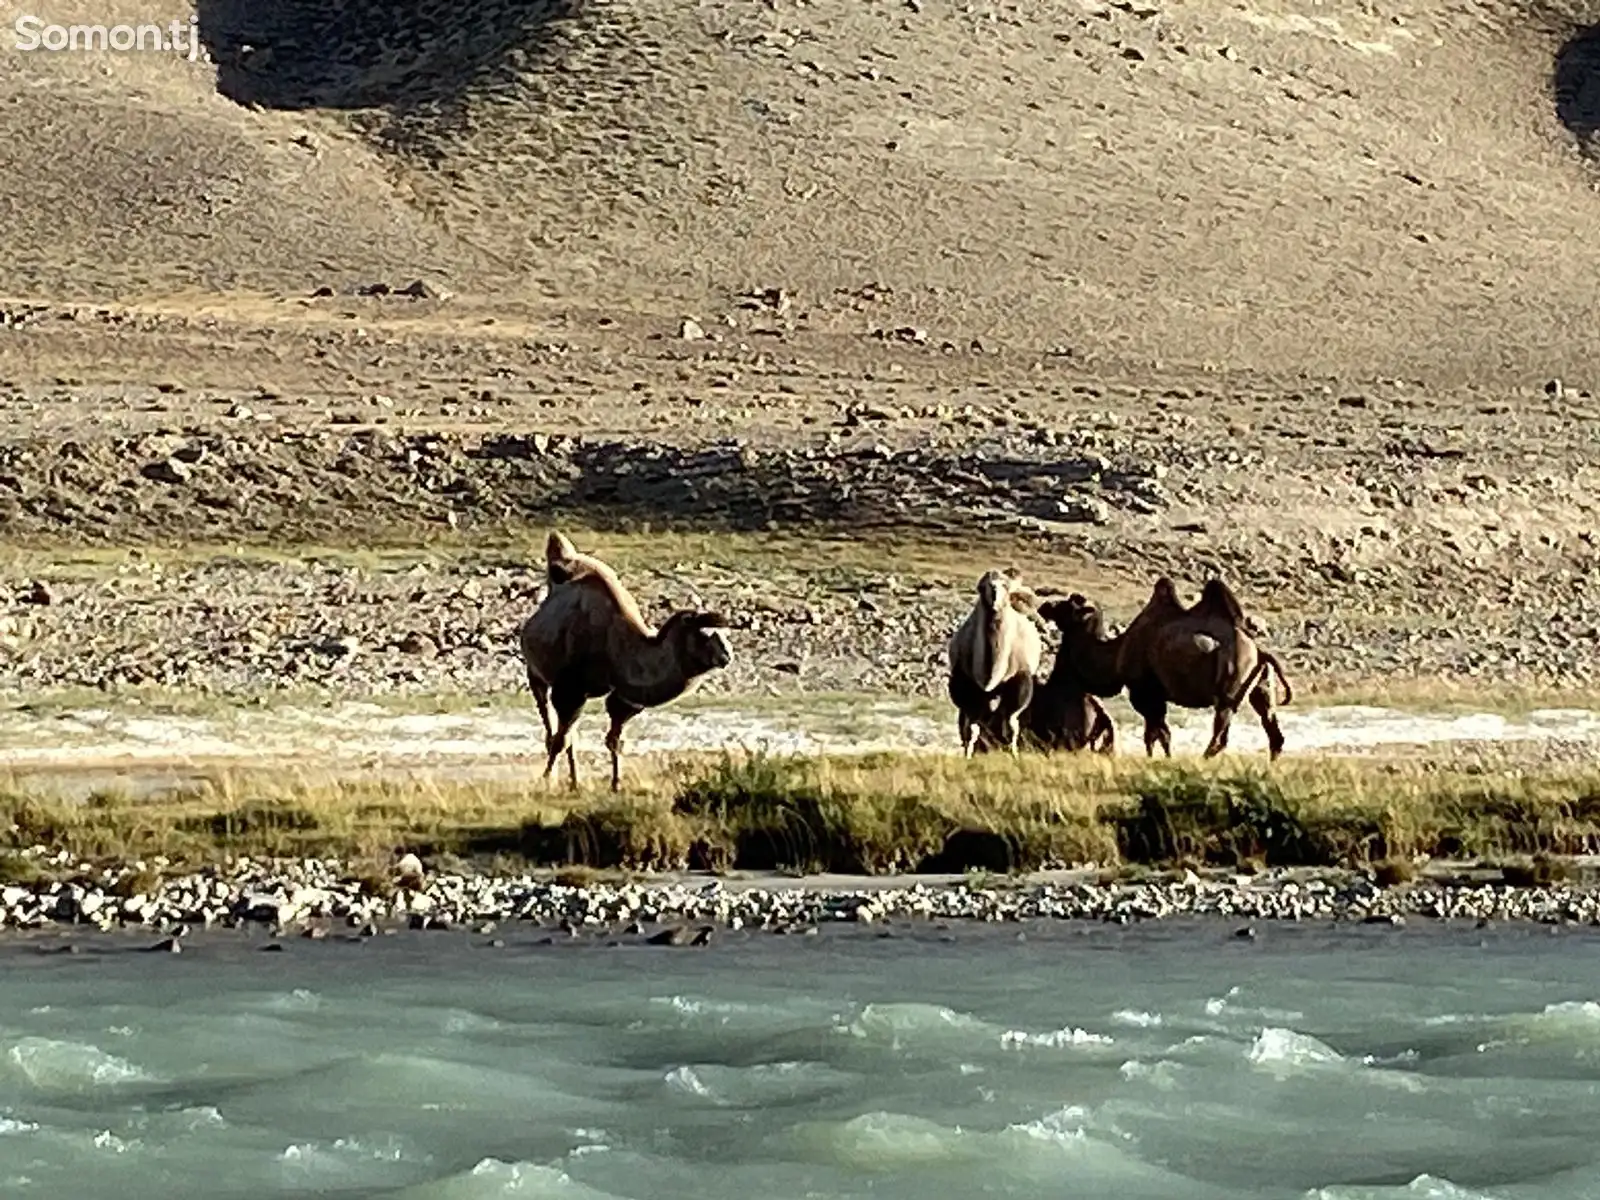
[(994, 656), (588, 639)]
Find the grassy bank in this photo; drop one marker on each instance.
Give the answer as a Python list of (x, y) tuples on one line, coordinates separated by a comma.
[(862, 815)]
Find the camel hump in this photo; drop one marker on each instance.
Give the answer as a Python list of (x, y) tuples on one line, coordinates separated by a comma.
[(1164, 602), (558, 548), (1217, 597), (1164, 591)]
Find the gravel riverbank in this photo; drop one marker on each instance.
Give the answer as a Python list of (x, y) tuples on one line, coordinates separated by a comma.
[(316, 898)]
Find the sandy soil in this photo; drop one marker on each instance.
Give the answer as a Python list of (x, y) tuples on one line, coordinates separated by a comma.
[(1295, 292), (364, 732)]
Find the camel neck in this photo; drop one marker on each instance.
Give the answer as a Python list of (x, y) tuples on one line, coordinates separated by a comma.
[(650, 675), (1092, 662)]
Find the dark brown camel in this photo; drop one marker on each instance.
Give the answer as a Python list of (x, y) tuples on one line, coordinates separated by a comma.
[(1199, 657), (1062, 716)]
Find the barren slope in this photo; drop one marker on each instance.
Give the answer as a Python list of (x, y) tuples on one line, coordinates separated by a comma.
[(1349, 188)]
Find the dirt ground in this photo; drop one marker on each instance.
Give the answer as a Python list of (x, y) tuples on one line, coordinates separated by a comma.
[(853, 300)]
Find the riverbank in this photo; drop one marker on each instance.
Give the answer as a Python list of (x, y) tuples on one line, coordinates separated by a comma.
[(320, 899), (868, 814), (784, 842)]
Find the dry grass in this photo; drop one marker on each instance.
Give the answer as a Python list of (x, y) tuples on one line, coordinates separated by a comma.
[(873, 814)]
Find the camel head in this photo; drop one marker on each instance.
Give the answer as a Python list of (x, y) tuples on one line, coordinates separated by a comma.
[(994, 589), (1075, 614), (698, 641), (558, 547), (999, 590)]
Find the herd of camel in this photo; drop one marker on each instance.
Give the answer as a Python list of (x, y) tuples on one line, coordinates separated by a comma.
[(588, 639)]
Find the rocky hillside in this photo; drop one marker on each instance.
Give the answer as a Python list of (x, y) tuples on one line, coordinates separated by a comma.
[(1390, 187)]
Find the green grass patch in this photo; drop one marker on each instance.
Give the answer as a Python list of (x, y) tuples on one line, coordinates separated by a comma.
[(872, 814)]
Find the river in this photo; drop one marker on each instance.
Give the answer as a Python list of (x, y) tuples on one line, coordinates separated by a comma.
[(1172, 1059)]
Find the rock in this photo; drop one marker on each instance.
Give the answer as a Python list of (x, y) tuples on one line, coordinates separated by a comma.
[(418, 290), (419, 644), (691, 330), (408, 872), (14, 631), (37, 593), (1083, 510), (261, 908), (342, 646), (168, 470)]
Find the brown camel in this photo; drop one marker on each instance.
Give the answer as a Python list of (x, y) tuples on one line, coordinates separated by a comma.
[(994, 656), (1194, 657), (1062, 716), (588, 639)]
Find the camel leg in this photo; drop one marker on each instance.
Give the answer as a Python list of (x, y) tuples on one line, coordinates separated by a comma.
[(1151, 704), (965, 696), (1101, 729), (620, 712), (568, 705), (1219, 730), (541, 701), (969, 735), (1017, 695), (1261, 701)]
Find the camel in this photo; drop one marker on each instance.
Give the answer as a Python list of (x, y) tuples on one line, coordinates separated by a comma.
[(588, 639), (1062, 716), (994, 656), (1195, 657)]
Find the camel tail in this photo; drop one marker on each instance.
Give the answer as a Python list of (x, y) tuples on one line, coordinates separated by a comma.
[(1270, 660), (1237, 698), (1265, 662)]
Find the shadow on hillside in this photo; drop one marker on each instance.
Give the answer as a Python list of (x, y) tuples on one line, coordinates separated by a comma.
[(1576, 86), (400, 55)]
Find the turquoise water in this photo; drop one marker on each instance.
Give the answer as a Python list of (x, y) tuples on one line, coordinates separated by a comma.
[(1160, 1061)]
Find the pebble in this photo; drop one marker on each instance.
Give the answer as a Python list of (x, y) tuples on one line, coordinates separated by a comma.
[(307, 894)]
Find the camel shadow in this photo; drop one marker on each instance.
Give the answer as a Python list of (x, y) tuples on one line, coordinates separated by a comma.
[(403, 56), (1575, 85)]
